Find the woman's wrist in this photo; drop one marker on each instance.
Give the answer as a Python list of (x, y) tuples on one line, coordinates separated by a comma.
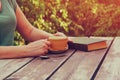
[(26, 51)]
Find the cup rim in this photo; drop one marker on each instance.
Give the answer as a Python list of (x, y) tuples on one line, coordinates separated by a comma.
[(57, 38)]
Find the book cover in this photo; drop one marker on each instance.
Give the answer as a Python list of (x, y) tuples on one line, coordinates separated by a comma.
[(87, 44)]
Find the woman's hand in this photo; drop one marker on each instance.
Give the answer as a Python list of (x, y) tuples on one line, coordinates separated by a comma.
[(63, 35), (38, 48), (59, 34)]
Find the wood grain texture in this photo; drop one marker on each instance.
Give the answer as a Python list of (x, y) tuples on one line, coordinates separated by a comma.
[(8, 66), (110, 69), (41, 69), (81, 65)]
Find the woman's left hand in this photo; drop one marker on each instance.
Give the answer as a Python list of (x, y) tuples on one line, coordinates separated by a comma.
[(63, 35), (59, 34)]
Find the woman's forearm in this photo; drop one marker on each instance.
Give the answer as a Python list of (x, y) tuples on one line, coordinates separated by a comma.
[(13, 51), (38, 34), (35, 48)]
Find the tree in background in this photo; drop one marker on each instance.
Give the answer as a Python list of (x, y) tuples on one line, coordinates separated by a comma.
[(48, 15), (73, 17)]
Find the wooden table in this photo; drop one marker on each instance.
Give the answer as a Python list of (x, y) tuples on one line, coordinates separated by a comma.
[(71, 65)]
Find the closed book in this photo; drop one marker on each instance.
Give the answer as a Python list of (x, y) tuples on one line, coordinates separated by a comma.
[(87, 44)]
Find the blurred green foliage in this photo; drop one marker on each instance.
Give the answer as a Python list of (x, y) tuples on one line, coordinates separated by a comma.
[(72, 17)]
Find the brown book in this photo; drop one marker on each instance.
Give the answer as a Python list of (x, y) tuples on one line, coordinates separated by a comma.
[(87, 44)]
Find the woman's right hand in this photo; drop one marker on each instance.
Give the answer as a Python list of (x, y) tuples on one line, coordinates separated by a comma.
[(38, 48)]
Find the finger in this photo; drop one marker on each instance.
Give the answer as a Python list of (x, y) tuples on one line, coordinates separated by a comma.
[(45, 42), (48, 43), (45, 46), (46, 51), (59, 34)]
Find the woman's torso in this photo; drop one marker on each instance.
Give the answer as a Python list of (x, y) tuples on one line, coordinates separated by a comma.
[(7, 23)]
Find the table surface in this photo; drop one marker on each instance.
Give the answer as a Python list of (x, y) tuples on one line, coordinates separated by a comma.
[(71, 65)]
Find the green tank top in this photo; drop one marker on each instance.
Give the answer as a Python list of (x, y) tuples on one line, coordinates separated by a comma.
[(7, 22)]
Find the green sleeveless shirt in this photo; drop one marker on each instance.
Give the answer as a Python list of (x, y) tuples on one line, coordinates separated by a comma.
[(7, 22)]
